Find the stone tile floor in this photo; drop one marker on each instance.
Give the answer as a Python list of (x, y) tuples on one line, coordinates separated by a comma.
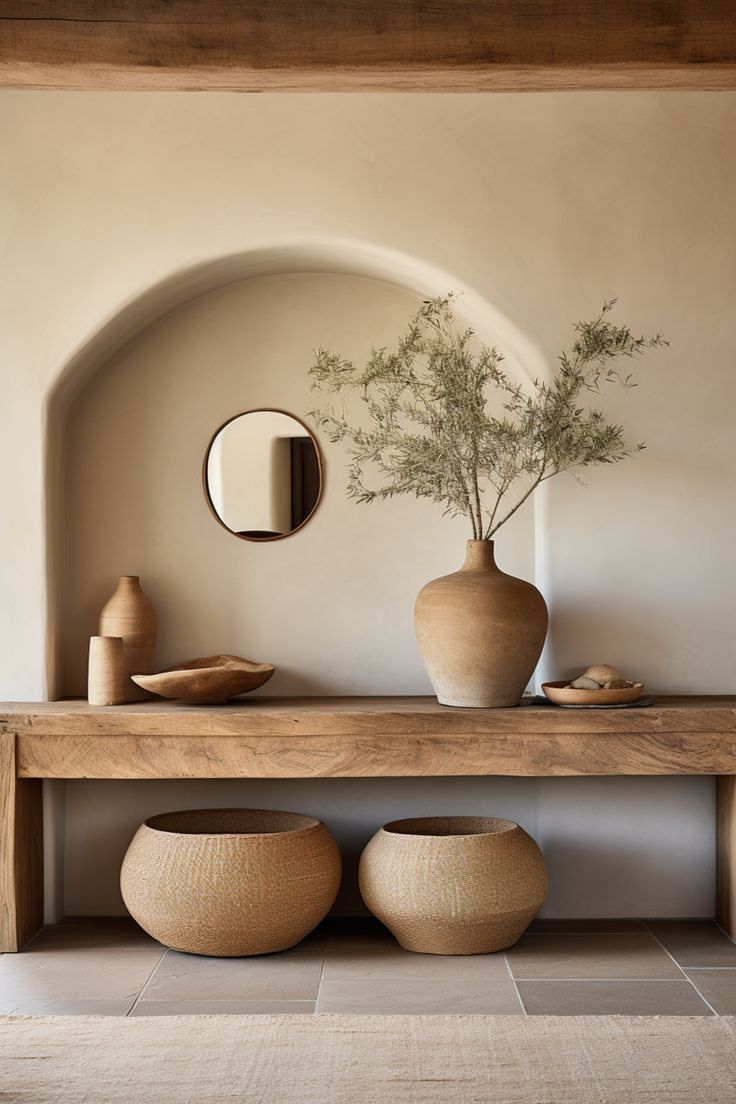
[(631, 967)]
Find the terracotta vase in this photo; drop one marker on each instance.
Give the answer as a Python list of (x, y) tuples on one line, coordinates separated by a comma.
[(480, 632), (129, 614)]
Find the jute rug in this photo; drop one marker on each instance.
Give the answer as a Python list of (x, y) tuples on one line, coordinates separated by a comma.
[(376, 1059)]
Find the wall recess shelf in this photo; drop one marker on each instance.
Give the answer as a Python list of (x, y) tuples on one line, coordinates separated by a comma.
[(342, 737)]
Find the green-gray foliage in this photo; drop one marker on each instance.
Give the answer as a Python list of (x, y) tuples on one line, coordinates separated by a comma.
[(447, 423)]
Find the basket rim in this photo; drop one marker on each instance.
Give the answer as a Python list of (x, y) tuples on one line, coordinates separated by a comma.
[(487, 826), (155, 823)]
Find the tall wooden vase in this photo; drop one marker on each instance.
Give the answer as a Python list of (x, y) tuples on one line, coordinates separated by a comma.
[(129, 614), (480, 632)]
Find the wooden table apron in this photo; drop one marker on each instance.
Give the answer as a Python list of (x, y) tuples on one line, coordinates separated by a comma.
[(371, 737)]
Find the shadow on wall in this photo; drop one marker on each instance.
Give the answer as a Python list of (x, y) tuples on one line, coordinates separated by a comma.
[(620, 871), (578, 625), (353, 809), (617, 858), (299, 683)]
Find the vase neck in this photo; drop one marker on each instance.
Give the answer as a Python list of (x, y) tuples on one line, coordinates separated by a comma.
[(479, 556)]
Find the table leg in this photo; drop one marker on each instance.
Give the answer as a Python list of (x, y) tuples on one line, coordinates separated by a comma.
[(21, 851), (726, 853)]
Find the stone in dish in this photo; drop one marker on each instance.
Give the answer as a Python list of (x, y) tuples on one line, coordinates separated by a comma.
[(600, 677)]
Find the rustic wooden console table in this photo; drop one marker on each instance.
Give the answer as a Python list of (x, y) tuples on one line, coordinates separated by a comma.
[(342, 737)]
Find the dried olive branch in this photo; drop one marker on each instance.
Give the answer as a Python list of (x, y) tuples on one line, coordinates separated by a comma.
[(432, 430)]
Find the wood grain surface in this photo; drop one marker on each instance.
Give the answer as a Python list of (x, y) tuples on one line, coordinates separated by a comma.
[(412, 45), (368, 737), (262, 715), (726, 854), (21, 852)]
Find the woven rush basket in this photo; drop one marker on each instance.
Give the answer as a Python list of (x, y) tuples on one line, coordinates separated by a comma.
[(453, 885), (228, 882)]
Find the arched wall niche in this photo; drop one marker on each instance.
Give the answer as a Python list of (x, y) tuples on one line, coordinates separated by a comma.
[(152, 306)]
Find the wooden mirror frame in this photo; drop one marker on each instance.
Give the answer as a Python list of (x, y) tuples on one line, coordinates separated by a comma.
[(320, 468)]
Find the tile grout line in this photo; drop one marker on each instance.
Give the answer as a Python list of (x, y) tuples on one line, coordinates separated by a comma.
[(516, 987), (32, 940), (732, 969), (584, 980), (679, 967), (219, 1000), (725, 933), (145, 983), (319, 983)]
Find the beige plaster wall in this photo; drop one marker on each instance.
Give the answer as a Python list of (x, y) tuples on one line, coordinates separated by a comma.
[(332, 605), (542, 206)]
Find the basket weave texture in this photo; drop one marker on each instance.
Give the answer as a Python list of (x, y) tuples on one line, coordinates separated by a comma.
[(453, 885), (229, 882)]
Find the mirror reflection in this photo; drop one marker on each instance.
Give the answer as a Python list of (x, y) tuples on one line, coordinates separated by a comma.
[(263, 474)]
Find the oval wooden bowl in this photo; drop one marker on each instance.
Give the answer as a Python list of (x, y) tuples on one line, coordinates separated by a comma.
[(561, 694), (208, 680)]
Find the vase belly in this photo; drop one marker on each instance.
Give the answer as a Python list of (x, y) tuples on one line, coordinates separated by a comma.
[(480, 632)]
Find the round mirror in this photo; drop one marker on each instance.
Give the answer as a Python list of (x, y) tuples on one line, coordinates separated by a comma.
[(263, 475)]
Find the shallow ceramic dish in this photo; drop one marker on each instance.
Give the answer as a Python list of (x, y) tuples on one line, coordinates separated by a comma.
[(208, 680), (561, 694)]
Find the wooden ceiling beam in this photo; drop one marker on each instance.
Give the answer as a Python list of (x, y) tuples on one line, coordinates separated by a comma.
[(367, 45)]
